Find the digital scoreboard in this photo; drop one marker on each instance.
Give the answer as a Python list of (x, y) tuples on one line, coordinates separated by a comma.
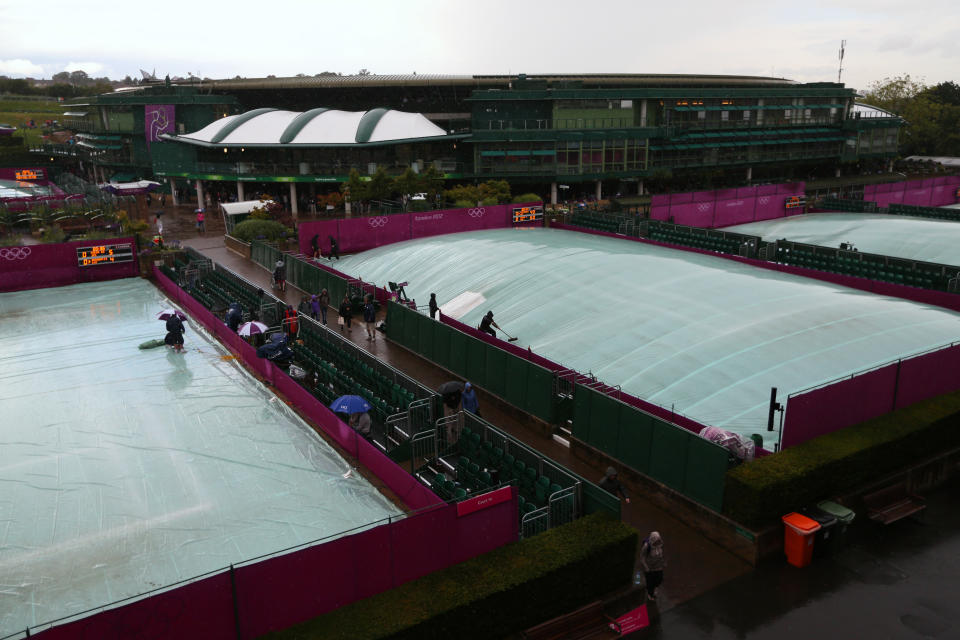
[(30, 174), (104, 254), (795, 202), (527, 214)]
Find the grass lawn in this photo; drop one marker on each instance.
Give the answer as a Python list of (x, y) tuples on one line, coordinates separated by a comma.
[(18, 112)]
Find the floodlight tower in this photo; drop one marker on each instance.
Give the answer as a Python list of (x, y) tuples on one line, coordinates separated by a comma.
[(843, 45)]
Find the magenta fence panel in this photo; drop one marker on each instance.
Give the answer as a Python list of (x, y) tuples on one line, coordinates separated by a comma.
[(841, 404), (200, 610), (928, 375), (369, 232), (371, 556), (422, 544), (360, 234), (917, 197), (766, 189), (660, 200), (724, 207), (322, 229), (41, 266), (693, 214), (929, 192), (735, 211), (475, 532), (285, 590)]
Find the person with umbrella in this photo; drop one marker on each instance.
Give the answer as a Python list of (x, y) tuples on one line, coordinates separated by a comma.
[(175, 328), (357, 408), (451, 392)]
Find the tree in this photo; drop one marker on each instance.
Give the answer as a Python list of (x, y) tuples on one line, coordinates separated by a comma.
[(364, 72), (894, 94), (431, 183), (355, 188), (381, 185), (63, 77), (946, 93), (495, 191), (79, 77), (408, 184)]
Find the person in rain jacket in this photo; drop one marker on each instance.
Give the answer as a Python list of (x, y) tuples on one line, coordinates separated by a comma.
[(469, 399), (346, 313), (280, 275), (370, 318), (434, 307), (234, 316), (652, 561), (323, 301), (611, 483)]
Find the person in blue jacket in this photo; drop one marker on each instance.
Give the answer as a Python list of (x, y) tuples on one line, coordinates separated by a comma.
[(370, 318), (469, 399), (234, 316)]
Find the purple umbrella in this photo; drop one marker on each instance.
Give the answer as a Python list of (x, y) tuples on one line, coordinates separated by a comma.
[(166, 314)]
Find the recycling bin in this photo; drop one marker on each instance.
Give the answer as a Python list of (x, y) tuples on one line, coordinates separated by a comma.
[(844, 518), (799, 533), (825, 541)]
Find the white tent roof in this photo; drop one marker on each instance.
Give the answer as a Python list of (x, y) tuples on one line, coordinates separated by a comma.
[(870, 111), (244, 206), (315, 127)]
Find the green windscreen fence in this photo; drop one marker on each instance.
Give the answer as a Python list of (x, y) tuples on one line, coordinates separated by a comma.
[(667, 453), (303, 275), (523, 384)]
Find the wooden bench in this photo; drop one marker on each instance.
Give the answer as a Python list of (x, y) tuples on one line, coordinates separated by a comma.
[(587, 622), (892, 503)]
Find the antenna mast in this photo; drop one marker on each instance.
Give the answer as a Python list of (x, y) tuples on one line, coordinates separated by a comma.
[(843, 45)]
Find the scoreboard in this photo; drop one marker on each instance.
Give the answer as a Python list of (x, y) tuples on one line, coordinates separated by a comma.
[(104, 254), (795, 202), (528, 214)]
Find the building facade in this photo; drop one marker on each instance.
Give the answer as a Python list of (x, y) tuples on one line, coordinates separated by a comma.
[(592, 134)]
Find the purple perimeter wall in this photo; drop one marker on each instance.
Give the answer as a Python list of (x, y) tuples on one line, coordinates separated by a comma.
[(54, 265), (369, 232), (929, 192), (726, 207)]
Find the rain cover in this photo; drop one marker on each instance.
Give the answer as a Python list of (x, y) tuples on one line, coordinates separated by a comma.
[(124, 470), (705, 335)]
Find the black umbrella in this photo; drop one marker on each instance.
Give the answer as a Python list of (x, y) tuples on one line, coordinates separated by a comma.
[(450, 387)]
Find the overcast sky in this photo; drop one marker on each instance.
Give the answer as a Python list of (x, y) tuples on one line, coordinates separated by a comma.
[(796, 40)]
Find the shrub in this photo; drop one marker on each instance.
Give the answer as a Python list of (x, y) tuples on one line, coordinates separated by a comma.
[(495, 594), (464, 204), (489, 202), (758, 493), (251, 229), (527, 197)]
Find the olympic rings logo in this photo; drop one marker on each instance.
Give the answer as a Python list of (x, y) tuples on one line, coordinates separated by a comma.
[(763, 199), (14, 253), (476, 212), (703, 206), (379, 221)]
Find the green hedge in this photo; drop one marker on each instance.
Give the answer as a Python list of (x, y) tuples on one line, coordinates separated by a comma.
[(252, 229), (526, 197), (493, 595), (757, 494)]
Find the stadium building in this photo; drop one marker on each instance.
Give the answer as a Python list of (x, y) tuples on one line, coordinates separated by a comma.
[(566, 135)]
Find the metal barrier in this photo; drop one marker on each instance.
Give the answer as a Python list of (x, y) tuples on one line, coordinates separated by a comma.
[(423, 449), (563, 506), (534, 522), (448, 433)]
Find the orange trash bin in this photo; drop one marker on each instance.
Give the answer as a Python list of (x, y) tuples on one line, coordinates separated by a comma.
[(798, 535)]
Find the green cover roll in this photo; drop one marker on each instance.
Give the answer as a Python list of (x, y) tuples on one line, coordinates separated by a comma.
[(150, 344)]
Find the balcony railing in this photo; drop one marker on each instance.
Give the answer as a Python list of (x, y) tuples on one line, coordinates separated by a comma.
[(544, 124)]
